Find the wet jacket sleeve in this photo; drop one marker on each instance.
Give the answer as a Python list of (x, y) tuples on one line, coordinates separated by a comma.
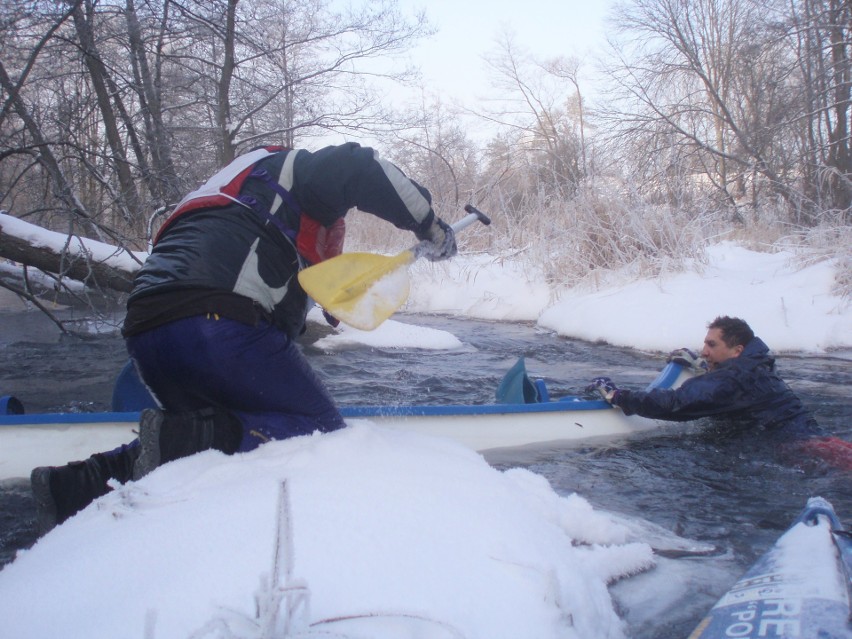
[(704, 396), (329, 182)]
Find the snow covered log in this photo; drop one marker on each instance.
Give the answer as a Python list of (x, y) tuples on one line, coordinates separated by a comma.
[(97, 264)]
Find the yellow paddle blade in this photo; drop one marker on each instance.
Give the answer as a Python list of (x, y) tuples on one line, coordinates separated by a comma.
[(361, 289)]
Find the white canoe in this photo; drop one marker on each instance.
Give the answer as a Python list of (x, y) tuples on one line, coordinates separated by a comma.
[(49, 439)]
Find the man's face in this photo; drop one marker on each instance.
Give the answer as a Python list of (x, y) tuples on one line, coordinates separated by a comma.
[(715, 350)]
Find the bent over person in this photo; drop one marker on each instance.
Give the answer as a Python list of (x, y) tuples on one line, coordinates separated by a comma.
[(214, 311)]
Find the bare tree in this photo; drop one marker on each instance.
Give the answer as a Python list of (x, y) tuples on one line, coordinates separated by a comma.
[(21, 120), (282, 71), (537, 110), (162, 176), (111, 109), (749, 97), (821, 33), (437, 149), (569, 69)]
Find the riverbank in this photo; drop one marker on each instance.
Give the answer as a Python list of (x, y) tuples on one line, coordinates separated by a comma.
[(791, 302)]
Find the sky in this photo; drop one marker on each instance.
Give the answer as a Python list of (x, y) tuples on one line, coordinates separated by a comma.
[(452, 60), (367, 532)]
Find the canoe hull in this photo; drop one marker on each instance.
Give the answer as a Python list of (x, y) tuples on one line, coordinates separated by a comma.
[(27, 441), (28, 445), (485, 431)]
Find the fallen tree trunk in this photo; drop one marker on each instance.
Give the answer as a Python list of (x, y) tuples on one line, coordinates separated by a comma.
[(96, 264)]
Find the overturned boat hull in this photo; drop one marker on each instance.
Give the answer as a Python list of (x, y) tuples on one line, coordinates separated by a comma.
[(50, 439)]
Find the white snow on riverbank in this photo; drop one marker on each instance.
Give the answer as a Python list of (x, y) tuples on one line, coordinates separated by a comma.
[(791, 308)]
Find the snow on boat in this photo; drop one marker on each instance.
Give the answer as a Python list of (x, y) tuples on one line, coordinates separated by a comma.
[(525, 416), (800, 588)]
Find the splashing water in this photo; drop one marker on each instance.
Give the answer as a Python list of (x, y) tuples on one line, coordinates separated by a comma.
[(380, 300)]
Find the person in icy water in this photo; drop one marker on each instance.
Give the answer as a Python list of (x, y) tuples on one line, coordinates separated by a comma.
[(738, 382), (214, 311)]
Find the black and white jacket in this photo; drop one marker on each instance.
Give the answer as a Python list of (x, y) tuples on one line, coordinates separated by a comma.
[(235, 235)]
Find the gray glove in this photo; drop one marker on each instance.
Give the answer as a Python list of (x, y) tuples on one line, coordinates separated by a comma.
[(439, 241), (687, 358)]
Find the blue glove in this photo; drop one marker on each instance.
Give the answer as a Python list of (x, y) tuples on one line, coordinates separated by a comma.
[(605, 386), (439, 241), (687, 358)]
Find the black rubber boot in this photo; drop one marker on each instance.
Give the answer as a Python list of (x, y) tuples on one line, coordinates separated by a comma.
[(62, 491), (166, 436)]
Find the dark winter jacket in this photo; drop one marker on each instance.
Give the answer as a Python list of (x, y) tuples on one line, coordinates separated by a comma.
[(746, 389), (233, 239)]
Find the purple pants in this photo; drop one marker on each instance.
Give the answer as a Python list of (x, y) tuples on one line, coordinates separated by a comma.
[(256, 372)]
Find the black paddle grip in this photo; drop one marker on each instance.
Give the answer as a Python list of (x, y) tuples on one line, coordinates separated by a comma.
[(470, 208)]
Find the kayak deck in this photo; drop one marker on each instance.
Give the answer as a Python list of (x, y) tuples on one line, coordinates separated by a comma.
[(799, 588)]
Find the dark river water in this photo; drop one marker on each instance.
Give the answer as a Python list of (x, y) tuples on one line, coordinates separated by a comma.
[(736, 493)]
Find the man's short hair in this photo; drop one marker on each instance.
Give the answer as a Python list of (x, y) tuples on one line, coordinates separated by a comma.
[(735, 332)]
